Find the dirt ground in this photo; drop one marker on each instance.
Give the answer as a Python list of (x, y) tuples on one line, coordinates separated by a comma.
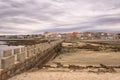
[(86, 57), (66, 76), (81, 57)]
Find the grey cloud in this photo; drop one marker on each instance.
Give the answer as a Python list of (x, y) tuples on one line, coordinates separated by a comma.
[(18, 20), (6, 27), (104, 20), (47, 11), (88, 26), (11, 29), (30, 9), (63, 29), (9, 32), (108, 21), (104, 30)]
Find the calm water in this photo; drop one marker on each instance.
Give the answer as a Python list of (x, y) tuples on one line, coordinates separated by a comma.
[(4, 46)]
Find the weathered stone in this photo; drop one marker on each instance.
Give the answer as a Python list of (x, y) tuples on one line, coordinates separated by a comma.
[(11, 69), (29, 47), (30, 53), (65, 65), (4, 76), (7, 53), (73, 66), (21, 57), (36, 50), (17, 51), (7, 62), (0, 64), (23, 49), (1, 72)]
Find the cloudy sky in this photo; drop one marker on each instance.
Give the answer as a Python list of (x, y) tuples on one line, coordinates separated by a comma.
[(37, 16)]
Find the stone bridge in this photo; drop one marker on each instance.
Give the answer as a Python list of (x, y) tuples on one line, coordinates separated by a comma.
[(22, 59)]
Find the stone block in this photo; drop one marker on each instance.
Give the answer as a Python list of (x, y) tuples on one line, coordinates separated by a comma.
[(33, 46), (36, 50), (1, 72), (30, 53), (23, 49), (21, 57), (8, 62), (0, 63), (17, 51), (15, 58), (7, 53), (28, 47), (4, 76), (40, 48)]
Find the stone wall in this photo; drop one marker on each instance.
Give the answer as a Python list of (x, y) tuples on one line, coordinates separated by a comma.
[(26, 58), (7, 53)]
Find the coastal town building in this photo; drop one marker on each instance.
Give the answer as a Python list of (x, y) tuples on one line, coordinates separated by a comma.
[(91, 36), (52, 35), (73, 35)]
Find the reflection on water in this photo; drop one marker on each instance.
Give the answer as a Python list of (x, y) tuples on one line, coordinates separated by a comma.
[(2, 42)]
